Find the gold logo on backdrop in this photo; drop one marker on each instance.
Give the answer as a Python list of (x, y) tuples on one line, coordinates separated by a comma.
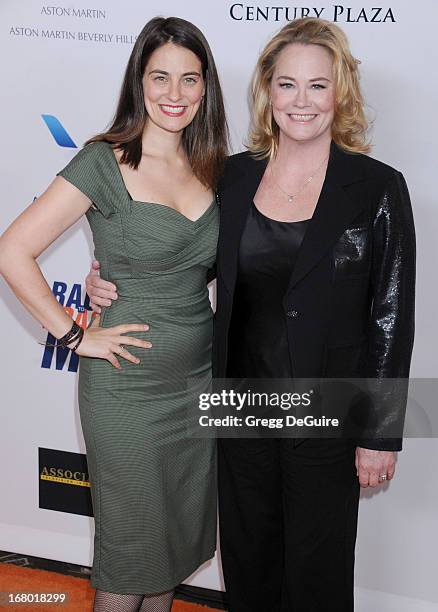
[(63, 476)]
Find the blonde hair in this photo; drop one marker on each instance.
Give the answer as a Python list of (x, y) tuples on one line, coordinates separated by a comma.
[(349, 123)]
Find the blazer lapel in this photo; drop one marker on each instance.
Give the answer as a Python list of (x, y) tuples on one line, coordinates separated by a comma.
[(236, 200), (334, 211)]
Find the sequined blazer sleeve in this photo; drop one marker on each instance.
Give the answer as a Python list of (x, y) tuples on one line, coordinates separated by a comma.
[(391, 323)]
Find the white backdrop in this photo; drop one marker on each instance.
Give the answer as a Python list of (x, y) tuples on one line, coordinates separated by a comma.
[(67, 61)]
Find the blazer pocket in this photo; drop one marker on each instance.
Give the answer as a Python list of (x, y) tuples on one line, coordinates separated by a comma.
[(352, 253), (344, 360), (345, 277), (345, 343)]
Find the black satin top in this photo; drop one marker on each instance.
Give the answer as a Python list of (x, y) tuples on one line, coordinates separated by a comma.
[(258, 342)]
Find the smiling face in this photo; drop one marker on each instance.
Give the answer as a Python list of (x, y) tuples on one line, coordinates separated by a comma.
[(303, 93), (173, 87)]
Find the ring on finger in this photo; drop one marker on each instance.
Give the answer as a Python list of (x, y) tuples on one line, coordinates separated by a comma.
[(383, 477)]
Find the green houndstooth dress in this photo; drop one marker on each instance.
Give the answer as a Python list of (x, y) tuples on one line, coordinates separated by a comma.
[(153, 484)]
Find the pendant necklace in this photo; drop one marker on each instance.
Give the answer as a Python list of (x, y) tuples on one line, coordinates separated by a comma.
[(292, 196)]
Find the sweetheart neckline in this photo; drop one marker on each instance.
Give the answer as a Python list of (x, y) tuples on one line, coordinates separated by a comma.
[(131, 199)]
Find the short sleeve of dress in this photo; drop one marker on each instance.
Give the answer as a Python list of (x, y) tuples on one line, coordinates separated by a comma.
[(88, 171)]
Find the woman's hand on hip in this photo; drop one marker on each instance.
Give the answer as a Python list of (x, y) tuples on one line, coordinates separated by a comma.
[(107, 342), (100, 291), (374, 466)]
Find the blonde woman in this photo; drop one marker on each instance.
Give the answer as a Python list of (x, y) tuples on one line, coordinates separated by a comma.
[(316, 275)]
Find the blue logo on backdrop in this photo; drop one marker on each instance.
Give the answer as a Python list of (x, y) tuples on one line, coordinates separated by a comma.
[(58, 131), (71, 298)]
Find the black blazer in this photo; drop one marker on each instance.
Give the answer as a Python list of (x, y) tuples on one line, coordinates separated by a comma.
[(349, 306)]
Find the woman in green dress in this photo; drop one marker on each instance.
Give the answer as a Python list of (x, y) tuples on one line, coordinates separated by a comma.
[(146, 186)]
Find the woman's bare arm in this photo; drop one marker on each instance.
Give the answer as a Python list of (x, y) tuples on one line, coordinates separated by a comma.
[(34, 230)]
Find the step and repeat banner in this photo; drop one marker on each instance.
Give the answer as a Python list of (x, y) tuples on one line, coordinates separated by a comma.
[(60, 76)]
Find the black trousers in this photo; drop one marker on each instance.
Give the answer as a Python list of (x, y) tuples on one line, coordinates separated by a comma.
[(288, 523)]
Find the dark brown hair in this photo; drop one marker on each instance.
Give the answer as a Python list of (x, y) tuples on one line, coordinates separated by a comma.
[(205, 139)]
